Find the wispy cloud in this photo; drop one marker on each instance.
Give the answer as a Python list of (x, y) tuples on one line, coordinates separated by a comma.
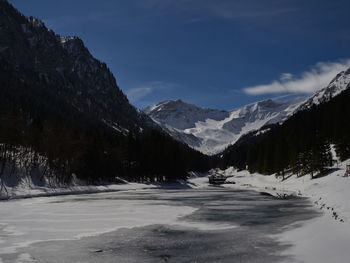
[(308, 82), (136, 94), (140, 95)]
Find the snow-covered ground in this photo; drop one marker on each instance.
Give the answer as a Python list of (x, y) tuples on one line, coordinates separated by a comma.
[(26, 189), (329, 193), (324, 239)]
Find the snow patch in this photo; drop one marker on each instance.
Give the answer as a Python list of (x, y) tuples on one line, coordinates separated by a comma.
[(25, 258), (318, 240)]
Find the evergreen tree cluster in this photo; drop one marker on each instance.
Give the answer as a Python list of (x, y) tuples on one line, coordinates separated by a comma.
[(62, 111), (300, 145), (74, 142)]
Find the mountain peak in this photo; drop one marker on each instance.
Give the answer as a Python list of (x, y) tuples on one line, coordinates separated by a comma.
[(173, 102), (340, 83), (168, 105), (62, 68), (35, 22), (268, 103), (211, 131)]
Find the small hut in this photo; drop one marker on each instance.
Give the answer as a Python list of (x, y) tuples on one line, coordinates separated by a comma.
[(217, 179)]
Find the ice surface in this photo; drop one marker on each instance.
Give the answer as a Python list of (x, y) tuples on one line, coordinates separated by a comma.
[(204, 225), (68, 217)]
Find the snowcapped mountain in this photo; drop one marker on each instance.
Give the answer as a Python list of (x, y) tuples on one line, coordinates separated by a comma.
[(181, 115), (61, 73), (340, 83), (211, 131)]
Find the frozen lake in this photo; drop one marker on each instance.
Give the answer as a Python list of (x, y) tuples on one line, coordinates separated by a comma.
[(192, 225)]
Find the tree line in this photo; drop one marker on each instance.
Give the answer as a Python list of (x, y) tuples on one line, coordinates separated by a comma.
[(301, 145), (69, 142)]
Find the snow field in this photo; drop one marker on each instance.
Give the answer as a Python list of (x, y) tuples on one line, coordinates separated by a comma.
[(324, 239)]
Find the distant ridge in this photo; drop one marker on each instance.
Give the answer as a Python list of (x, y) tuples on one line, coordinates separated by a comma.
[(211, 131)]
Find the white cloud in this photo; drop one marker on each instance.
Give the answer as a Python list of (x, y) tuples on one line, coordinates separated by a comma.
[(137, 94), (318, 77), (286, 76)]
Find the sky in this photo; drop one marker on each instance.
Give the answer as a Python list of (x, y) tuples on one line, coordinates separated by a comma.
[(219, 54)]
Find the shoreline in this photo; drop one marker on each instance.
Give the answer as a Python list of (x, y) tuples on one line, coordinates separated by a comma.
[(322, 239), (24, 191)]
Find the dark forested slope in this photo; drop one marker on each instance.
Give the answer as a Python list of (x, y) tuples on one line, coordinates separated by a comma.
[(59, 103), (301, 145)]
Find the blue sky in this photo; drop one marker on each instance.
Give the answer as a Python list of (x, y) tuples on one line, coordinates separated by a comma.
[(213, 53)]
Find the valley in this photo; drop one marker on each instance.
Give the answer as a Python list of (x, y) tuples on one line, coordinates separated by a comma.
[(90, 174)]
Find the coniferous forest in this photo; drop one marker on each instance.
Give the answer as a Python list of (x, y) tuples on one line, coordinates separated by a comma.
[(94, 155), (62, 114), (57, 140), (301, 145)]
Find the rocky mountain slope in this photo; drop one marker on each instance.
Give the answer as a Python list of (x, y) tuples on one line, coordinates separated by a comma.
[(211, 131), (340, 83), (62, 71), (62, 115)]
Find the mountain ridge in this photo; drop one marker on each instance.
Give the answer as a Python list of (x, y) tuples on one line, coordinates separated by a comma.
[(211, 131), (337, 85), (63, 66), (63, 116)]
